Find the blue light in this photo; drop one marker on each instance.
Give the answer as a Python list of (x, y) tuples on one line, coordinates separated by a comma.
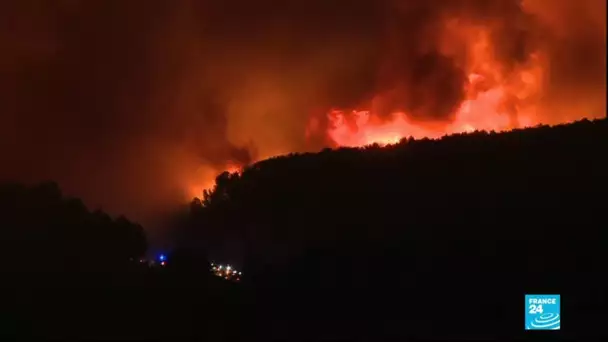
[(162, 257)]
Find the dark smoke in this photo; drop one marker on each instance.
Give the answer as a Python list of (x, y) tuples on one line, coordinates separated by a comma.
[(124, 103), (438, 88)]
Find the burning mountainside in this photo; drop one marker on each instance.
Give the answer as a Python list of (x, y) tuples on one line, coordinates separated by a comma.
[(486, 109), (157, 99), (493, 95), (481, 68)]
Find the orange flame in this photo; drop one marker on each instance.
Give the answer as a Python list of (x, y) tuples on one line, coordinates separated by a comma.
[(495, 100), (482, 112), (206, 179)]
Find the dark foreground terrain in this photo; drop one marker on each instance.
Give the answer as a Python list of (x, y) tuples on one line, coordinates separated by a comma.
[(435, 239)]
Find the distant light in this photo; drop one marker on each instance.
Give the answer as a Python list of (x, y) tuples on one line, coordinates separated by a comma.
[(162, 263), (228, 268), (240, 273), (221, 267)]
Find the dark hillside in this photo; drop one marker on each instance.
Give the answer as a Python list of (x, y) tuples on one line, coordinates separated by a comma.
[(69, 273), (390, 240), (435, 239)]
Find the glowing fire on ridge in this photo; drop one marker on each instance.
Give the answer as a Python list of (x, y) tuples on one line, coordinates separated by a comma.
[(483, 109), (495, 99), (206, 180), (480, 113)]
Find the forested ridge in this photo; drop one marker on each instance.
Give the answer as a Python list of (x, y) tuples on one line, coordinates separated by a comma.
[(425, 238), (376, 241)]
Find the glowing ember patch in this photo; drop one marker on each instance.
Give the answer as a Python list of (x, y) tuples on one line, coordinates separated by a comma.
[(232, 168), (468, 128)]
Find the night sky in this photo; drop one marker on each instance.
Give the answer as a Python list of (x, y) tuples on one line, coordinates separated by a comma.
[(131, 104)]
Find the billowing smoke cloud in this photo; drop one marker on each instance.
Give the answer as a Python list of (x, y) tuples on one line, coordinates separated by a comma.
[(135, 105)]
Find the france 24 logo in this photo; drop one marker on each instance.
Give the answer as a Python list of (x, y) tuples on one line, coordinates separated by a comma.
[(542, 312)]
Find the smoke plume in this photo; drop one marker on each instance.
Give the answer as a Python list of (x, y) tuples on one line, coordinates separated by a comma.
[(137, 105)]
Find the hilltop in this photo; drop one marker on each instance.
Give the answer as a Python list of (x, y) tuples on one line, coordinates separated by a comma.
[(362, 237), (425, 238), (422, 184)]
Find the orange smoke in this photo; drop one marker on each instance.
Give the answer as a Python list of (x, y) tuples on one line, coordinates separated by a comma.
[(205, 179), (483, 110), (500, 91), (497, 97)]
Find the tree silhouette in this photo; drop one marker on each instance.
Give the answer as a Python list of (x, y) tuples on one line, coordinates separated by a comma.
[(43, 231), (423, 223)]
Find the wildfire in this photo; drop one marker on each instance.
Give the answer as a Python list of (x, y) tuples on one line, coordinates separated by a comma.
[(205, 179), (483, 112), (496, 98), (498, 95)]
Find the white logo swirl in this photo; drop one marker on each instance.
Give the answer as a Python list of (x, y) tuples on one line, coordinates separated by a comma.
[(548, 321)]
